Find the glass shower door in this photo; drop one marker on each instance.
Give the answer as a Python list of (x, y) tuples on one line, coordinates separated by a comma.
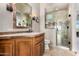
[(62, 34)]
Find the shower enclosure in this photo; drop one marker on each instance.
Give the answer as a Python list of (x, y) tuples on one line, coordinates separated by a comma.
[(62, 34), (58, 20), (62, 29)]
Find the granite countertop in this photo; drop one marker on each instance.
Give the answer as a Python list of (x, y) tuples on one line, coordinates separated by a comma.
[(32, 34)]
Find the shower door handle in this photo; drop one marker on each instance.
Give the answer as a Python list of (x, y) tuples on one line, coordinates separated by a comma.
[(67, 27), (69, 42)]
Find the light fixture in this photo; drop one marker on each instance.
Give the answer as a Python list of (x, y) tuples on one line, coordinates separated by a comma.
[(9, 7), (35, 18), (56, 9)]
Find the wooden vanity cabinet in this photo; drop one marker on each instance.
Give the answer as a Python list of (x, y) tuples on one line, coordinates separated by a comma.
[(42, 48), (38, 49), (22, 46), (39, 46), (7, 47)]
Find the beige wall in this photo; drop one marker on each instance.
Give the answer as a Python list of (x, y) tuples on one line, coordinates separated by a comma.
[(6, 18), (50, 34), (72, 11), (35, 12), (76, 39)]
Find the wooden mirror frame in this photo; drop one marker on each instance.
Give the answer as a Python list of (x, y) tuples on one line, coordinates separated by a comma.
[(14, 19)]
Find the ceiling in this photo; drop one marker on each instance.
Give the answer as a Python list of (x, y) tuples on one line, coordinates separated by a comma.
[(56, 6)]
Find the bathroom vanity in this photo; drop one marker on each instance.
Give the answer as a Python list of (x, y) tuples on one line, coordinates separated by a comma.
[(22, 44)]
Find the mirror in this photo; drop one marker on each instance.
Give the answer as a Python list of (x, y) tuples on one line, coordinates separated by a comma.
[(50, 20), (22, 15), (77, 25)]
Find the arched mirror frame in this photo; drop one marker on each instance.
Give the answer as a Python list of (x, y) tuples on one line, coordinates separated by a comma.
[(14, 18)]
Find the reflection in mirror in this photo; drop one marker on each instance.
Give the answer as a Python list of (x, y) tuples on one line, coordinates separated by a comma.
[(22, 15), (50, 22), (77, 25)]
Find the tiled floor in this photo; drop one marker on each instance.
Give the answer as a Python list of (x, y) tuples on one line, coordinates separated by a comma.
[(58, 52)]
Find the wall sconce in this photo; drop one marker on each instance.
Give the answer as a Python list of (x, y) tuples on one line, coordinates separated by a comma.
[(35, 19), (9, 7)]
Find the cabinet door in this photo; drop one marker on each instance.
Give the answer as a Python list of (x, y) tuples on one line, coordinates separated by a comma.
[(37, 49), (6, 47), (23, 47), (42, 48)]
